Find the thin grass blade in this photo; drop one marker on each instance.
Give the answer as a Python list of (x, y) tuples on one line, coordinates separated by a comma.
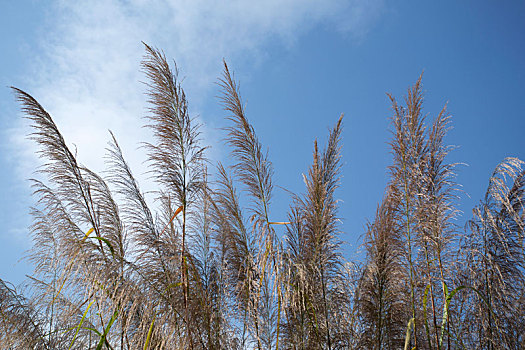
[(80, 324)]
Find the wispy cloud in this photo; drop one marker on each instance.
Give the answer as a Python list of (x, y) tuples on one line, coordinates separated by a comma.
[(88, 74)]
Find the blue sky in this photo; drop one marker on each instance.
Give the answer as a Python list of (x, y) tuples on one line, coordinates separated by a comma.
[(300, 64)]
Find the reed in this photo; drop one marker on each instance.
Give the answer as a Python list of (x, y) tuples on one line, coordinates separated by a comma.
[(210, 267)]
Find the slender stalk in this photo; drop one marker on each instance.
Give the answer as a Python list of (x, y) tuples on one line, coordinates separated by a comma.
[(434, 319), (323, 284), (409, 247)]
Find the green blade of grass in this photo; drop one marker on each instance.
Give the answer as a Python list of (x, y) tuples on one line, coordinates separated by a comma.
[(407, 338), (106, 241), (93, 330), (445, 309), (106, 331), (449, 297), (80, 324), (150, 331)]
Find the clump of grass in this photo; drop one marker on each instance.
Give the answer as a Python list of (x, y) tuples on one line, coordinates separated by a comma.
[(202, 271)]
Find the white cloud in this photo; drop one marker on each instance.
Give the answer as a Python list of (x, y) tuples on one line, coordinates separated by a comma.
[(88, 76)]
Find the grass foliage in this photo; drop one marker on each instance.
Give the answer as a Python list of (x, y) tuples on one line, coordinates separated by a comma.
[(208, 268)]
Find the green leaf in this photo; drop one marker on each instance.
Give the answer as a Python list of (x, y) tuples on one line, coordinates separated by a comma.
[(93, 330), (407, 338), (150, 331), (80, 324), (106, 331), (105, 240), (449, 297)]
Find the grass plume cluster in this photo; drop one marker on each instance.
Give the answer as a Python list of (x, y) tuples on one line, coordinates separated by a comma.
[(209, 268)]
